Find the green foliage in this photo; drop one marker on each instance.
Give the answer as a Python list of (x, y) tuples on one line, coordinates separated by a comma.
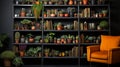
[(3, 37), (37, 38), (26, 21), (29, 35), (17, 61), (8, 54), (38, 8), (103, 24), (33, 51)]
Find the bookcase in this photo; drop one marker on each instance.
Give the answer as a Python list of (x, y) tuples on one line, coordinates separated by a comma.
[(62, 32)]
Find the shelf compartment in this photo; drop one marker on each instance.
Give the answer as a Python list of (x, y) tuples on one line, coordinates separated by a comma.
[(22, 5), (94, 31), (87, 44), (27, 44), (60, 18), (106, 5), (60, 30), (60, 57), (60, 44), (28, 30), (31, 57), (26, 17)]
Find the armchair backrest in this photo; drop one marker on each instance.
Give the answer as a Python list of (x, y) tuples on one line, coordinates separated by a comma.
[(108, 42)]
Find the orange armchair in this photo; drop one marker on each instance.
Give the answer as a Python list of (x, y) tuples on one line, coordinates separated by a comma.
[(107, 52)]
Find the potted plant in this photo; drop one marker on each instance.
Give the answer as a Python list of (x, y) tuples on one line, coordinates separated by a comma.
[(37, 39), (104, 12), (51, 36), (17, 61), (25, 23), (30, 38), (3, 37), (7, 56), (59, 26), (34, 52), (22, 50), (17, 37), (37, 8), (103, 24), (46, 52)]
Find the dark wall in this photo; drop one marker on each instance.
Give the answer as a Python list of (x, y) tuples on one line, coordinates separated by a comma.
[(6, 19)]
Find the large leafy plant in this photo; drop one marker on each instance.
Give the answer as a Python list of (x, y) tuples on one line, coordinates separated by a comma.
[(37, 8), (3, 37), (7, 54), (17, 61)]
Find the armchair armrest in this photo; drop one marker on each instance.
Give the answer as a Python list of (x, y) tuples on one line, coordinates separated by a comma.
[(91, 49), (113, 55)]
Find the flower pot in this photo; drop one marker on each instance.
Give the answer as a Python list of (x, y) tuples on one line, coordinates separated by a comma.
[(70, 2), (85, 2), (22, 53), (31, 40), (7, 63), (16, 40)]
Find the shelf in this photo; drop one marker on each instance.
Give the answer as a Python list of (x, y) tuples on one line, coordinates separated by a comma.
[(60, 5), (77, 14), (60, 57), (94, 31), (60, 18), (106, 5), (27, 44), (31, 57), (87, 44), (94, 18), (70, 44), (26, 17), (29, 5), (60, 30), (22, 5), (27, 30)]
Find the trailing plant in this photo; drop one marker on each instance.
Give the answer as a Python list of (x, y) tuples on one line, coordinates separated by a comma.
[(17, 61), (37, 8)]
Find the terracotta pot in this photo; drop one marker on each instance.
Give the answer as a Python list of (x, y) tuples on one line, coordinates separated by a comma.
[(37, 2), (70, 2), (59, 27), (85, 2), (45, 15), (46, 54), (16, 40), (7, 63), (33, 28), (60, 15), (31, 40), (22, 14), (22, 53), (66, 14)]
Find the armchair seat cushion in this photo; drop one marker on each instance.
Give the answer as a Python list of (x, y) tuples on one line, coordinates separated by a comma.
[(103, 55)]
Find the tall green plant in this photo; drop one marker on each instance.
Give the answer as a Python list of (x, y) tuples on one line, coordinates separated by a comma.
[(37, 8)]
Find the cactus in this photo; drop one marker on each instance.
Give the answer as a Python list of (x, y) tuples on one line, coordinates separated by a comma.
[(17, 35)]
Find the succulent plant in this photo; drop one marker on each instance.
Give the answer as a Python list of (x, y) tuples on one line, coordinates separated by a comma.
[(17, 35)]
